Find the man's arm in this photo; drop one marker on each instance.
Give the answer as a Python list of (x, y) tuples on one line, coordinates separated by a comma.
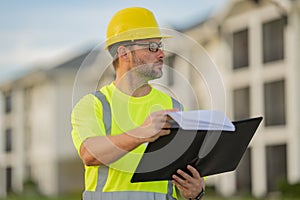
[(102, 150)]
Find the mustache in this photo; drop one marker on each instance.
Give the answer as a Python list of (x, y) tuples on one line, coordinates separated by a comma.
[(161, 62)]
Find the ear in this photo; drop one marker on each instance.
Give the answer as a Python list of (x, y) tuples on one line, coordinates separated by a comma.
[(123, 52)]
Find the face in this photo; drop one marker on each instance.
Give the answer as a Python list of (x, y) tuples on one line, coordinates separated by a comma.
[(145, 62)]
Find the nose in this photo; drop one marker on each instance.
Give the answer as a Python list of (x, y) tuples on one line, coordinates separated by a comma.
[(160, 54)]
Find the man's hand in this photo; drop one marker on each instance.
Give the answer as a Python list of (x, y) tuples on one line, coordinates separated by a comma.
[(154, 126), (190, 186)]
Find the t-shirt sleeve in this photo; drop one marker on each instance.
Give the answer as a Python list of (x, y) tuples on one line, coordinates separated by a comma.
[(87, 120)]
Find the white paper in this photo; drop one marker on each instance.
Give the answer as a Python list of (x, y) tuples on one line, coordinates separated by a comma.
[(202, 120)]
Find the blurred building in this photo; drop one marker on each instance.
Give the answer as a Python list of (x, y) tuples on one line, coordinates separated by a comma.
[(36, 144), (254, 44)]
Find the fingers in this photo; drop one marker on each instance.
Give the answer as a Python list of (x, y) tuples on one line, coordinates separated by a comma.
[(179, 186), (183, 174), (186, 187), (167, 125), (156, 125), (160, 119), (180, 181), (164, 112), (189, 185), (194, 171)]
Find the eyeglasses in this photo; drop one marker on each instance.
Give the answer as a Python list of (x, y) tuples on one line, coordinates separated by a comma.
[(152, 46)]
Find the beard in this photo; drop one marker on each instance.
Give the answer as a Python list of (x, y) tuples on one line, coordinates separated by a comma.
[(150, 71)]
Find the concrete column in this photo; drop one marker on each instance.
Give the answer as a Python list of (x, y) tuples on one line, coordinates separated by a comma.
[(259, 186), (18, 140), (294, 93), (227, 184), (182, 86), (2, 181), (43, 141), (258, 160)]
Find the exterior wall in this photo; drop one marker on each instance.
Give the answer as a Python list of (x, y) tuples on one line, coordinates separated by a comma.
[(255, 76), (2, 169), (63, 107), (70, 168), (218, 45), (294, 108), (18, 138), (42, 150), (13, 159)]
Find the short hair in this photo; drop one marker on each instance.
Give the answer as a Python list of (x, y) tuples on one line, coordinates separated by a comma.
[(113, 51)]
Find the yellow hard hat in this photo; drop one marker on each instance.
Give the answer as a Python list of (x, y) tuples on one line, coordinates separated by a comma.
[(132, 24)]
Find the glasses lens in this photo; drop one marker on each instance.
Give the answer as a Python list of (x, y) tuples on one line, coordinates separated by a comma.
[(153, 46)]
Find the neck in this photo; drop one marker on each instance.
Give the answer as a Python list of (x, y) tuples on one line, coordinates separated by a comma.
[(132, 85)]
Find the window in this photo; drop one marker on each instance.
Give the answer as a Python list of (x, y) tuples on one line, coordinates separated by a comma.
[(8, 140), (240, 49), (276, 166), (273, 40), (243, 173), (170, 61), (241, 103), (274, 100), (7, 102), (8, 179)]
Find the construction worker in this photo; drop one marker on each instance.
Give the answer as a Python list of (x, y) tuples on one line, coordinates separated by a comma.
[(112, 126)]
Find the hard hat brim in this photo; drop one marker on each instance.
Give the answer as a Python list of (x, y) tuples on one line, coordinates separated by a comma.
[(136, 34)]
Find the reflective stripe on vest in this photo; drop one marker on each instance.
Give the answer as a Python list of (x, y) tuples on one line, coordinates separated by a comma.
[(105, 109), (103, 170)]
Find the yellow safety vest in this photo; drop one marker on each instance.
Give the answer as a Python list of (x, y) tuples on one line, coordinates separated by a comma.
[(109, 111)]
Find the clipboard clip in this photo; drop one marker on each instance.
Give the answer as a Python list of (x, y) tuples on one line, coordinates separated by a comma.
[(195, 162), (173, 123)]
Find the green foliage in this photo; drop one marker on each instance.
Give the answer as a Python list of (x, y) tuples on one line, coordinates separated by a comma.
[(289, 190), (31, 192)]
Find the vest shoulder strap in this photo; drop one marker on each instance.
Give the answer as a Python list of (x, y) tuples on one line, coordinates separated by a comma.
[(106, 111), (177, 104)]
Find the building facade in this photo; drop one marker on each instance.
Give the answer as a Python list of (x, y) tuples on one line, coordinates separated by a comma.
[(255, 47), (36, 144)]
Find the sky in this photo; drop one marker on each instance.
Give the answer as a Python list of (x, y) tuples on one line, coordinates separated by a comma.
[(36, 33)]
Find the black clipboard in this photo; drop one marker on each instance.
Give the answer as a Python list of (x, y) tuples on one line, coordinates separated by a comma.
[(210, 152)]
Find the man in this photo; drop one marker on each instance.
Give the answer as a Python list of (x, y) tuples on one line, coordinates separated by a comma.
[(111, 128)]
